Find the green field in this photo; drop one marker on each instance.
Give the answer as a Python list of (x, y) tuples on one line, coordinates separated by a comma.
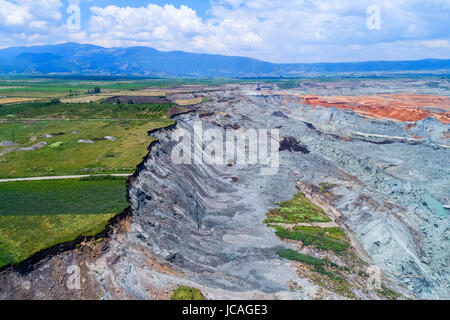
[(36, 215), (53, 87), (59, 87), (71, 139), (83, 111), (72, 196), (64, 155), (64, 125)]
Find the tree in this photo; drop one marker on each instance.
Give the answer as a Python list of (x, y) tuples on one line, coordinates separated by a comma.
[(97, 90)]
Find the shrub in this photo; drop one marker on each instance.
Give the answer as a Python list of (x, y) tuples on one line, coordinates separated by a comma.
[(324, 187), (55, 145), (321, 238), (187, 293), (388, 293), (54, 101), (297, 256)]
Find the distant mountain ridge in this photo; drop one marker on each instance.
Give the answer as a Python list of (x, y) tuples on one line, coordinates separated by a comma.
[(84, 59)]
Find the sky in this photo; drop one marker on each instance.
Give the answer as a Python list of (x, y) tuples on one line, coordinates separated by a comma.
[(271, 30)]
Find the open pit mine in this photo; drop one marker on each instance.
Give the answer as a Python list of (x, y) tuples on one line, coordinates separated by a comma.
[(368, 163)]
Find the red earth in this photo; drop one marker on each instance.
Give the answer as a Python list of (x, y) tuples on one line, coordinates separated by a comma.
[(401, 107)]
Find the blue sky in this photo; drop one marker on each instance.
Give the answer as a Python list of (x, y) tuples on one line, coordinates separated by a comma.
[(271, 30)]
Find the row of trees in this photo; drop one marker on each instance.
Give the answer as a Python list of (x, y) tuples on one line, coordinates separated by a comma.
[(130, 101), (95, 90)]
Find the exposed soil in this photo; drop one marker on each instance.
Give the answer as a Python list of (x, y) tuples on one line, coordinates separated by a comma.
[(402, 107)]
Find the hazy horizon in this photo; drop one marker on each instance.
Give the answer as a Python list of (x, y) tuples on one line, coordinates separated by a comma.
[(318, 62)]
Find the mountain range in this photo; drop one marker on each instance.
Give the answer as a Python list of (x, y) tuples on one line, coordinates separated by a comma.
[(84, 59)]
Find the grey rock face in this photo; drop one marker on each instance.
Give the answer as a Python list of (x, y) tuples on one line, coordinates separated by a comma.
[(382, 192), (197, 218)]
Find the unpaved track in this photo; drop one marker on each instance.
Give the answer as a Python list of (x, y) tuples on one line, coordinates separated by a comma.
[(63, 177)]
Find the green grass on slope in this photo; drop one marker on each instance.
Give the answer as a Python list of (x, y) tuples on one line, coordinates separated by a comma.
[(297, 210), (297, 256), (187, 293), (22, 236), (321, 238), (331, 276), (36, 215)]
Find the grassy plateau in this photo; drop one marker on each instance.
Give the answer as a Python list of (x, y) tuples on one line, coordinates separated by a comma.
[(36, 215), (46, 137)]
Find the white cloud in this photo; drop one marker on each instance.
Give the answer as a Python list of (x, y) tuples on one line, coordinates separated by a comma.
[(12, 14), (274, 30), (42, 9), (434, 43), (167, 27), (29, 15)]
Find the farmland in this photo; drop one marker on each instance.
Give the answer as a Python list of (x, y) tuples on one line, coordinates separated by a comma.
[(71, 138), (65, 128), (36, 215), (73, 89)]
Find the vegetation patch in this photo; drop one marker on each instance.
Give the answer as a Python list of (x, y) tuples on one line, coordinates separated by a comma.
[(322, 238), (325, 187), (387, 293), (326, 273), (297, 210), (187, 293), (297, 256), (55, 145)]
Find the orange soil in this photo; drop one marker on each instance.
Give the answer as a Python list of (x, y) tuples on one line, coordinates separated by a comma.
[(402, 107)]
